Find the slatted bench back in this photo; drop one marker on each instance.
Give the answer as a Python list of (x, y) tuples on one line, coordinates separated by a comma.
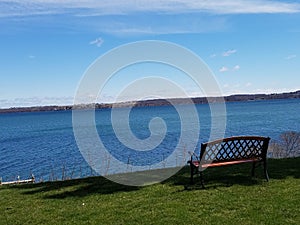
[(234, 148)]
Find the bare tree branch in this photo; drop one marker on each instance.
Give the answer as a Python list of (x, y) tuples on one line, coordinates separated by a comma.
[(287, 146)]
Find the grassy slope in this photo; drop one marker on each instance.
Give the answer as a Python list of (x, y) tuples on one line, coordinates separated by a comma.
[(231, 197)]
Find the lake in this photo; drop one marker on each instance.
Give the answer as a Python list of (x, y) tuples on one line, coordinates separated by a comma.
[(43, 143)]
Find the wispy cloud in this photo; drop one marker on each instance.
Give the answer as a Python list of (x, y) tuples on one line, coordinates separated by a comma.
[(223, 69), (98, 42), (117, 7), (290, 57), (229, 52), (224, 54), (136, 24), (236, 67), (35, 101), (226, 69), (121, 18)]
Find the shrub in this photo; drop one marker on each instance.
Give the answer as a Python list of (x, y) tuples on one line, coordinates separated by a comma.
[(288, 145)]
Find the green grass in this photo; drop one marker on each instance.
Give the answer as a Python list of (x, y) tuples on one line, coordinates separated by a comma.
[(231, 197)]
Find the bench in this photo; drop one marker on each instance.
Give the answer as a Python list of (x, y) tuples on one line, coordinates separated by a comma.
[(230, 151)]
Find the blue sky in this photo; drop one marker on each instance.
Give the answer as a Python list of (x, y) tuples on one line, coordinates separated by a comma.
[(46, 46)]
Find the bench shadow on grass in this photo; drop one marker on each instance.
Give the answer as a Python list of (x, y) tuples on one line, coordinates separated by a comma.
[(217, 177), (214, 177)]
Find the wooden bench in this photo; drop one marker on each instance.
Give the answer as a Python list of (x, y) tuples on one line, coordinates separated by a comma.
[(230, 151)]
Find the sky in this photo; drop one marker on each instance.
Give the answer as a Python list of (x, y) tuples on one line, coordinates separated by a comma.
[(47, 46)]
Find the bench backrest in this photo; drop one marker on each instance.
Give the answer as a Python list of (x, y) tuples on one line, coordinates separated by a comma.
[(234, 148)]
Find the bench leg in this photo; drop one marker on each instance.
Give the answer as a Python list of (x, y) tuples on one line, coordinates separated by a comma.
[(253, 169), (192, 174), (201, 179), (265, 170)]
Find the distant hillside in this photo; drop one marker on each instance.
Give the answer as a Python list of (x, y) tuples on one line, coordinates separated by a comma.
[(159, 102)]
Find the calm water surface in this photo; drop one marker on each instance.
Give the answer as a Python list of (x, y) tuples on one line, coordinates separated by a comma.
[(43, 143)]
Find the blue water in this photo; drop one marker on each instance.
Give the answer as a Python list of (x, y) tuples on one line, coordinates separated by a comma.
[(43, 143)]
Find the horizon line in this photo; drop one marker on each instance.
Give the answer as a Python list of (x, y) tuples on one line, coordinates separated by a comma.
[(150, 99)]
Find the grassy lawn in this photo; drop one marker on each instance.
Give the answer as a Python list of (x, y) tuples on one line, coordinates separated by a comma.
[(231, 197)]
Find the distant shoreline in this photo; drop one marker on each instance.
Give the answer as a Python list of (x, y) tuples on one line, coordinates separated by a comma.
[(158, 102)]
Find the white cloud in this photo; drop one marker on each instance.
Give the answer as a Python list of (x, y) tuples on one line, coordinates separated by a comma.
[(271, 90), (291, 57), (223, 69), (236, 89), (235, 68), (119, 7), (139, 24), (229, 52), (224, 54), (35, 101), (136, 16), (226, 69), (98, 42), (248, 84)]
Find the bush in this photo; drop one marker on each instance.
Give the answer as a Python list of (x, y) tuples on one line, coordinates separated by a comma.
[(288, 145)]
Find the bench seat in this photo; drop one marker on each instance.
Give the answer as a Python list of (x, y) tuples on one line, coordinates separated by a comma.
[(196, 163)]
